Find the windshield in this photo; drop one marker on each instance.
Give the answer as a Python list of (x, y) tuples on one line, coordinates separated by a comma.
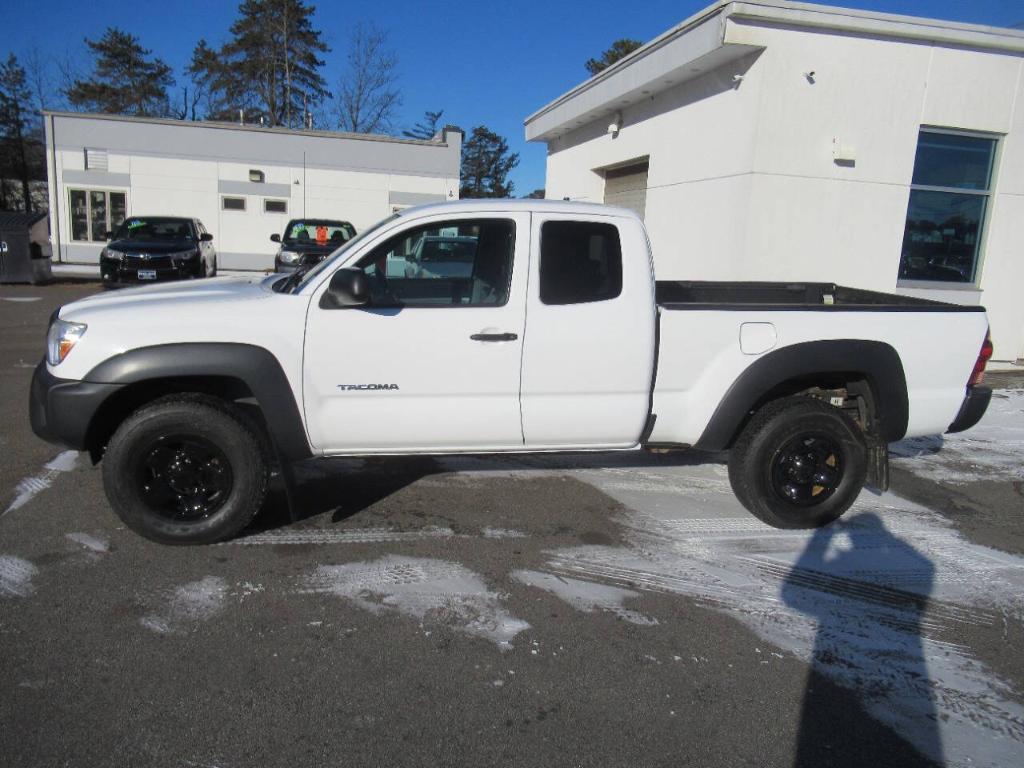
[(319, 231), (154, 229), (300, 280)]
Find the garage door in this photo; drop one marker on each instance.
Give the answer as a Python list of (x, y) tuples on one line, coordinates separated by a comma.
[(627, 187)]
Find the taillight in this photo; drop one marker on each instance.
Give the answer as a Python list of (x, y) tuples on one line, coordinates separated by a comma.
[(983, 357)]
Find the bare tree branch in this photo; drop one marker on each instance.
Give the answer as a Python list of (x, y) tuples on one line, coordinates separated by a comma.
[(368, 94)]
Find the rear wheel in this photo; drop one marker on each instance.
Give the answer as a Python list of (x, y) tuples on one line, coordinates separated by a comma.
[(186, 469), (799, 463)]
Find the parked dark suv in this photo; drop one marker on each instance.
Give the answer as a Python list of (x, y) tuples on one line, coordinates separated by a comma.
[(307, 242), (147, 249)]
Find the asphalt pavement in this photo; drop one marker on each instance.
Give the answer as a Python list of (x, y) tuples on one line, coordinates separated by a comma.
[(609, 610)]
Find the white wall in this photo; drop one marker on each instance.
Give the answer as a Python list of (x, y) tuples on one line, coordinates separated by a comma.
[(743, 183), (158, 183)]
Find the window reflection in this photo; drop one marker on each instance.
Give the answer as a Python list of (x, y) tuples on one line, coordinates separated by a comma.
[(946, 214)]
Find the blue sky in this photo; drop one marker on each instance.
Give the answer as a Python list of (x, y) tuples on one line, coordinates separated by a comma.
[(490, 63)]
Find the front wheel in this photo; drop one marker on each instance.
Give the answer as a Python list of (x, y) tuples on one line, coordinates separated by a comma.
[(186, 469), (799, 463)]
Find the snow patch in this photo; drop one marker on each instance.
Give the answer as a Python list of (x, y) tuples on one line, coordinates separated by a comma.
[(586, 596), (16, 576), (993, 450), (870, 601), (30, 487), (96, 544), (433, 591), (502, 533), (189, 605)]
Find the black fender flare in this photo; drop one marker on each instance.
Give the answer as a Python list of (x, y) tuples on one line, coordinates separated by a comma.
[(255, 366), (875, 361)]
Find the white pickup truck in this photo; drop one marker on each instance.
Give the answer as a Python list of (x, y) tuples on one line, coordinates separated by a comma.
[(555, 338)]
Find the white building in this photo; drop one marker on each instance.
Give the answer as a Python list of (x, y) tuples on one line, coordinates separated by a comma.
[(244, 182), (771, 140)]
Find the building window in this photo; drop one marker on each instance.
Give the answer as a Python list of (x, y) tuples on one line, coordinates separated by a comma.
[(580, 262), (94, 213), (233, 203), (275, 206), (949, 195), (256, 176)]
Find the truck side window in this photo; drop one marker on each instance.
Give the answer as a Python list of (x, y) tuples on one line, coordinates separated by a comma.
[(461, 263), (580, 262)]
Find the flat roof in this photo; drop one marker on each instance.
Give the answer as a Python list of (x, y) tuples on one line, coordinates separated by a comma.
[(224, 125), (698, 44)]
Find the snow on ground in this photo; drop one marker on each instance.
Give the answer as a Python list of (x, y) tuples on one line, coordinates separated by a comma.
[(993, 450), (874, 601), (189, 605), (16, 576), (433, 591), (30, 487)]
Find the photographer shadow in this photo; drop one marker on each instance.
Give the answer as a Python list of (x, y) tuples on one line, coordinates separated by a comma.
[(868, 601)]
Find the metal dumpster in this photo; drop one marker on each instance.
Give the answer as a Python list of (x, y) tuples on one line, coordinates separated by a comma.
[(24, 248)]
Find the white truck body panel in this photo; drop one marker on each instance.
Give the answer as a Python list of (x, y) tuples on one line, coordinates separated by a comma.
[(700, 357), (577, 376)]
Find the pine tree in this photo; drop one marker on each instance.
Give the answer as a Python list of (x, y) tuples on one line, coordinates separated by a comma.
[(426, 128), (18, 147), (619, 50), (269, 69), (486, 163), (124, 81)]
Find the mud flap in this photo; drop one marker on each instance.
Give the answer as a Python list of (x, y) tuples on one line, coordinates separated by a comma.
[(878, 466)]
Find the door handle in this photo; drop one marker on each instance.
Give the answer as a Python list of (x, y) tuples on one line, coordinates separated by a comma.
[(494, 337)]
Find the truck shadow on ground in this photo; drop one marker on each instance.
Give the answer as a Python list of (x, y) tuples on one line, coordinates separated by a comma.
[(346, 487)]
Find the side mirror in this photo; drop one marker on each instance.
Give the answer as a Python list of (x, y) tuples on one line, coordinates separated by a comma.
[(109, 236), (275, 238), (348, 288), (206, 237)]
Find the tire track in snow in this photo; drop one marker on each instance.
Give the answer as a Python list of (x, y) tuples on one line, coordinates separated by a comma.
[(16, 576), (31, 487), (870, 601)]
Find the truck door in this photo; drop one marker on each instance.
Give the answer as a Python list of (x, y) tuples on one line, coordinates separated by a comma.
[(433, 363), (588, 359)]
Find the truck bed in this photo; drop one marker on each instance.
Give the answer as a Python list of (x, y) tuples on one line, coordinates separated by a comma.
[(692, 294)]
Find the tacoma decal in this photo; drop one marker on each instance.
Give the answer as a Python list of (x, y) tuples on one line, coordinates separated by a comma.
[(350, 387)]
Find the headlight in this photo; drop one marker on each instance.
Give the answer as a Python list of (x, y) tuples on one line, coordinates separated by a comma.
[(61, 338), (110, 253), (289, 257), (180, 256)]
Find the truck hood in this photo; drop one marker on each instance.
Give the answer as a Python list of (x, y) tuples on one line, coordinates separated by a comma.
[(185, 297)]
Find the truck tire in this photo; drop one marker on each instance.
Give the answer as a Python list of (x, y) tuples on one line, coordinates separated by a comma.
[(186, 469), (799, 463)]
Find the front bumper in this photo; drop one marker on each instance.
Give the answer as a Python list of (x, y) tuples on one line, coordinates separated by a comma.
[(974, 406), (61, 410), (116, 272)]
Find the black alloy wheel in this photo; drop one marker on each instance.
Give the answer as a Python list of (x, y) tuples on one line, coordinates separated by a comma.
[(184, 477), (807, 470)]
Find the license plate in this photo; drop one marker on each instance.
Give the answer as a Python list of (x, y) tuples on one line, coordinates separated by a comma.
[(147, 274)]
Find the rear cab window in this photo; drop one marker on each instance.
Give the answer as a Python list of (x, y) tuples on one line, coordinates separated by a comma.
[(580, 262)]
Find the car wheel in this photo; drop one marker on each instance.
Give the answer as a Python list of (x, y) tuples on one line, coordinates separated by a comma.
[(799, 463), (213, 267), (186, 469)]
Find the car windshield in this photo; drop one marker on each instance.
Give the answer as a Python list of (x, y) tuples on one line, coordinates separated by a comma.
[(319, 232), (154, 229), (299, 280), (448, 249)]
